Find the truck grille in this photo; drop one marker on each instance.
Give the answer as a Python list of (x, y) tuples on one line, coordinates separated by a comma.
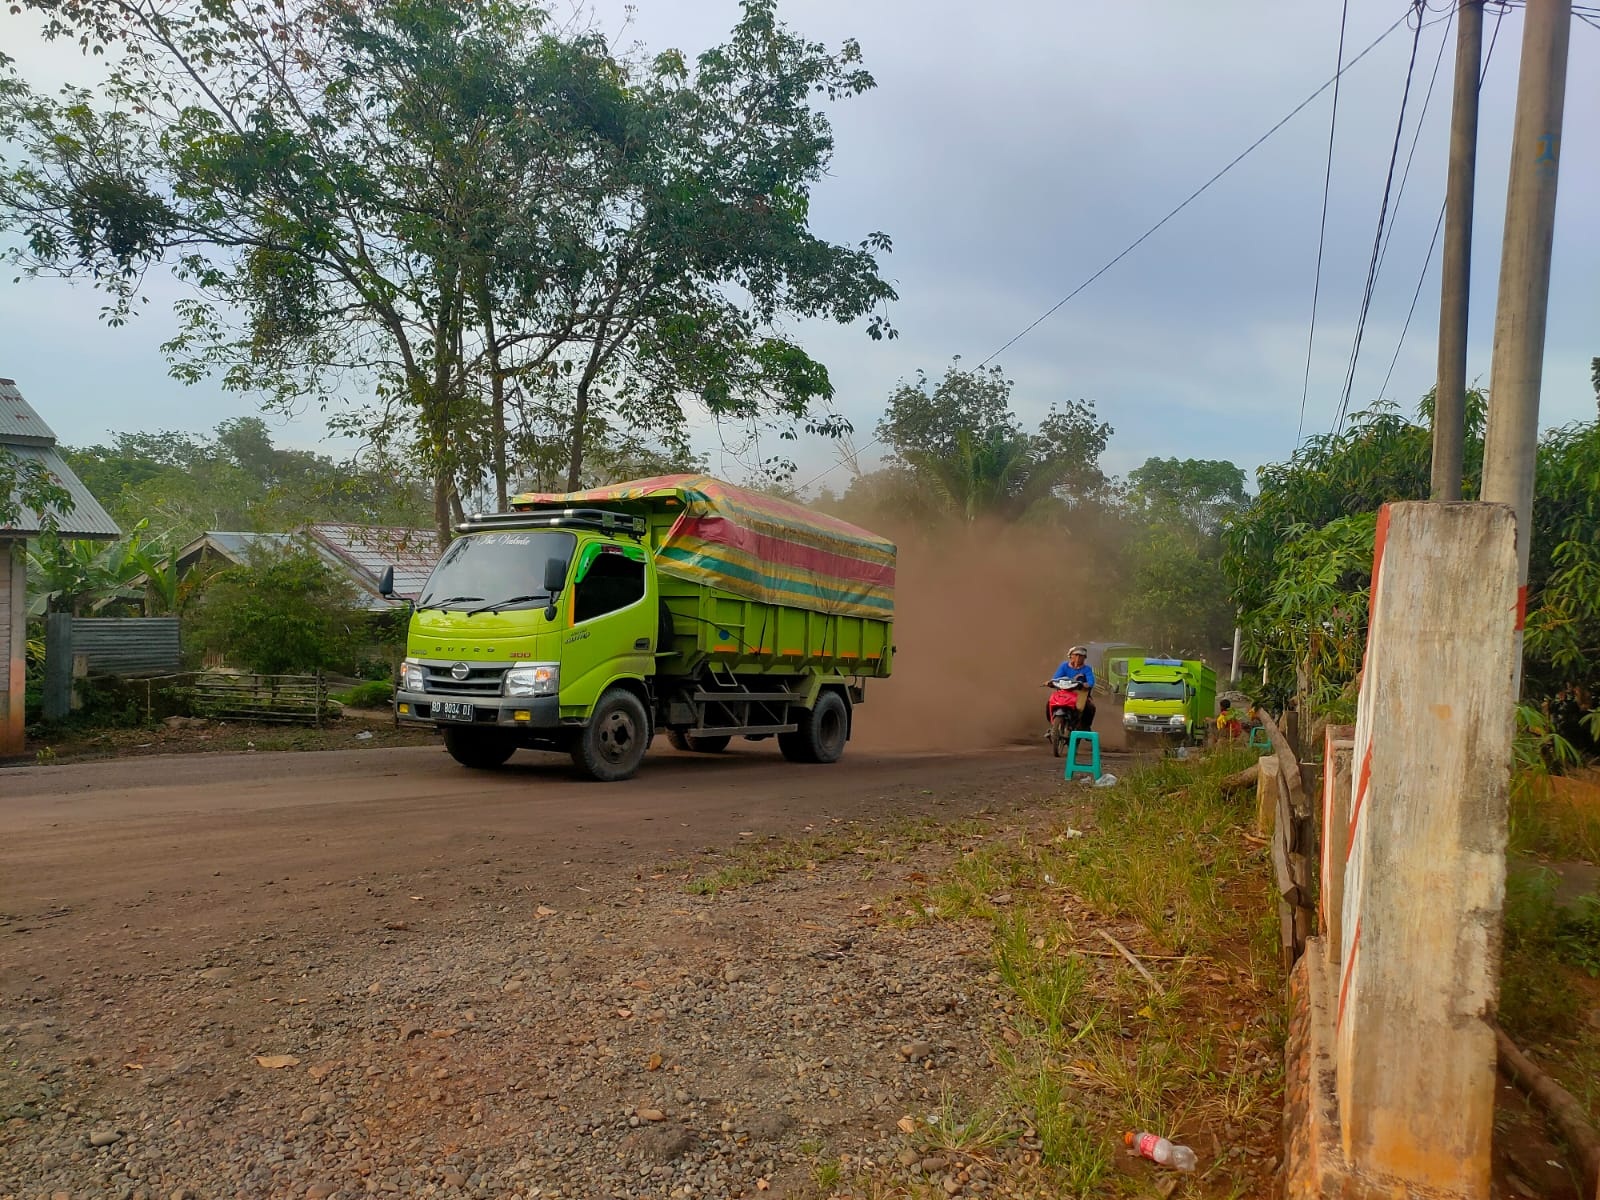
[(480, 681)]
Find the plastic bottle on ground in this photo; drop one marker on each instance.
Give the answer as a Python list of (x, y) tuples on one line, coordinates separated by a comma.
[(1158, 1150)]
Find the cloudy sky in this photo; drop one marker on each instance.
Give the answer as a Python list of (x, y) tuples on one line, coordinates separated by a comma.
[(1011, 149)]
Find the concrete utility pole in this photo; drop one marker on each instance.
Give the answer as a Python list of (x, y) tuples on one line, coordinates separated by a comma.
[(1511, 441), (1449, 397)]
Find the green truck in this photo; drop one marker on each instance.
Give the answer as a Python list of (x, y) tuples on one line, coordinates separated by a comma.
[(588, 622), (1168, 699)]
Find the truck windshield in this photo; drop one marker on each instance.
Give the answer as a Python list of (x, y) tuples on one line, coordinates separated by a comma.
[(491, 568), (1143, 689)]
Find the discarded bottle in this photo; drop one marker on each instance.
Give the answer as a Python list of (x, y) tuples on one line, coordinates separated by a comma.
[(1158, 1150)]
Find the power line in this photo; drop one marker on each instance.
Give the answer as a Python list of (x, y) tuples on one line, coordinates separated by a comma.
[(1416, 136), (1322, 230), (1189, 199), (1427, 262), (1377, 240)]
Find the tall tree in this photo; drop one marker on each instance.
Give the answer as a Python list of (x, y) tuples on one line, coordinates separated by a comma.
[(455, 207), (959, 441)]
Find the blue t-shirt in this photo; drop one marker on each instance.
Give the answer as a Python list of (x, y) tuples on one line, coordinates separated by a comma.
[(1067, 671)]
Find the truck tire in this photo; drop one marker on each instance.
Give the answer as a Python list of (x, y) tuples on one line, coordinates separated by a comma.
[(479, 749), (612, 744), (715, 744), (824, 729)]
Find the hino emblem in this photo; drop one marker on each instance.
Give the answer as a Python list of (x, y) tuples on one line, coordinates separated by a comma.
[(460, 671)]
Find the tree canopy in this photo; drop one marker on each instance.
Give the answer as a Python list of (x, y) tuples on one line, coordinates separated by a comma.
[(496, 228)]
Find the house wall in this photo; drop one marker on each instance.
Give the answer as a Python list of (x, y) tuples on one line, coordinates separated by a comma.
[(13, 645)]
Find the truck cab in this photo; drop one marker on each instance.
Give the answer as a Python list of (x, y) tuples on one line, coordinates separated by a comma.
[(1168, 699)]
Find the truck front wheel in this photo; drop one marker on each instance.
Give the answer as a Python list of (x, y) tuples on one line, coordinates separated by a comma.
[(824, 728), (612, 745), (478, 749)]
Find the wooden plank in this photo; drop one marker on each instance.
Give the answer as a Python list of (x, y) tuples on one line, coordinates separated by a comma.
[(1338, 747), (1289, 764), (1267, 784), (1425, 873)]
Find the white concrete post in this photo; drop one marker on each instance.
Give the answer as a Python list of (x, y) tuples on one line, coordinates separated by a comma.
[(1425, 869)]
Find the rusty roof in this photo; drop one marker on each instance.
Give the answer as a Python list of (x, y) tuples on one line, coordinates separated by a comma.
[(19, 424)]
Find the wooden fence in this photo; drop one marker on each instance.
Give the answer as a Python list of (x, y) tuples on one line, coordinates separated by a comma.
[(290, 699)]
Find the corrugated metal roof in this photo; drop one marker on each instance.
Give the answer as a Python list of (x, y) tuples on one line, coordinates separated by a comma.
[(19, 424), (365, 550), (86, 520), (358, 552)]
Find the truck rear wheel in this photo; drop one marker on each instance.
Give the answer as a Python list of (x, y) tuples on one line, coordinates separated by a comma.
[(715, 744), (612, 745), (824, 729), (479, 749)]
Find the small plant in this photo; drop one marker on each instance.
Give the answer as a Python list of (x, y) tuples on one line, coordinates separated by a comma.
[(45, 756), (373, 694)]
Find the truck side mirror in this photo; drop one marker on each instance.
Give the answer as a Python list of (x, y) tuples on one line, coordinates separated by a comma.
[(555, 575), (555, 578), (386, 584)]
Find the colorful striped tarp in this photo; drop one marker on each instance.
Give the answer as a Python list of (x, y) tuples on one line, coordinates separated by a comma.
[(755, 546)]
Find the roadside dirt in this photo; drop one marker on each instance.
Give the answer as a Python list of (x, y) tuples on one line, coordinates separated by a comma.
[(357, 973), (357, 729)]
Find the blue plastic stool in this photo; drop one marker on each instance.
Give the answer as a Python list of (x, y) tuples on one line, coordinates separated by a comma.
[(1074, 767), (1261, 742)]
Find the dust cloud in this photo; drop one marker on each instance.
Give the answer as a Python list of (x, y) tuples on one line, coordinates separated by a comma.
[(983, 613)]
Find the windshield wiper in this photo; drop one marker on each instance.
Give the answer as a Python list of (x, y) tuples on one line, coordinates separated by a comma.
[(447, 600), (499, 604)]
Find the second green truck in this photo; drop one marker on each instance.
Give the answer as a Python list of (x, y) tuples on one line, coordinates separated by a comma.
[(588, 622)]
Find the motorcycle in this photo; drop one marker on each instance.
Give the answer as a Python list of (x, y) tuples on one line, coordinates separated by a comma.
[(1067, 706)]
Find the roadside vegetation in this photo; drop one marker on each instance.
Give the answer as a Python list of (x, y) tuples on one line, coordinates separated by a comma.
[(1085, 1044)]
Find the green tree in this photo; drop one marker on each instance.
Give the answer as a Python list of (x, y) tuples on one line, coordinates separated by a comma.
[(181, 485), (1202, 491), (27, 487), (958, 444), (277, 614), (459, 203)]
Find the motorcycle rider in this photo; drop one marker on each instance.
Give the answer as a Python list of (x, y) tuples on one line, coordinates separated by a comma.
[(1077, 667)]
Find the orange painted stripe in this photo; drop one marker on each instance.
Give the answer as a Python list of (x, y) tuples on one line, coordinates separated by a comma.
[(1349, 968), (1362, 781), (1379, 540), (1522, 607)]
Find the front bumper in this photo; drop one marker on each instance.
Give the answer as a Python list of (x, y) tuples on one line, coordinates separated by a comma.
[(542, 712)]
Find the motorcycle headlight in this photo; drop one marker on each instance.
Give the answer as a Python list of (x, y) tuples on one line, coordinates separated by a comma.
[(1177, 722), (412, 677), (533, 679)]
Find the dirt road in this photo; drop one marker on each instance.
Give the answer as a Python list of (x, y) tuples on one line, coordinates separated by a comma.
[(166, 921), (205, 847)]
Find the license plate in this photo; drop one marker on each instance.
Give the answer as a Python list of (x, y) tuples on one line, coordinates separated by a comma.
[(452, 710)]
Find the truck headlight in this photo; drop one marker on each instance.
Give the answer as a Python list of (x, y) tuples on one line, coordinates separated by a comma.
[(412, 677), (1178, 722), (533, 679), (1129, 720)]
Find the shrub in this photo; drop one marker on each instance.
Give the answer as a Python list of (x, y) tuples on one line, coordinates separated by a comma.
[(373, 694), (278, 614)]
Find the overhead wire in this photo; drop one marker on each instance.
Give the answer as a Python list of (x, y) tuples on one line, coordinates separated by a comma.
[(1332, 82), (1416, 136), (1322, 230), (1377, 240), (1483, 73)]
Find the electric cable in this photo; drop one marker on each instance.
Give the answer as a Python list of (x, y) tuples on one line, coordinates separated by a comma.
[(1377, 240), (1145, 236)]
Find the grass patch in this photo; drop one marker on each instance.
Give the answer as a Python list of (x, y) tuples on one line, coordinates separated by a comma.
[(1168, 865), (1547, 821)]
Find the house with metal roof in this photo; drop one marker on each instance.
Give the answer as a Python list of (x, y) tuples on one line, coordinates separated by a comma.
[(26, 439), (359, 553)]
